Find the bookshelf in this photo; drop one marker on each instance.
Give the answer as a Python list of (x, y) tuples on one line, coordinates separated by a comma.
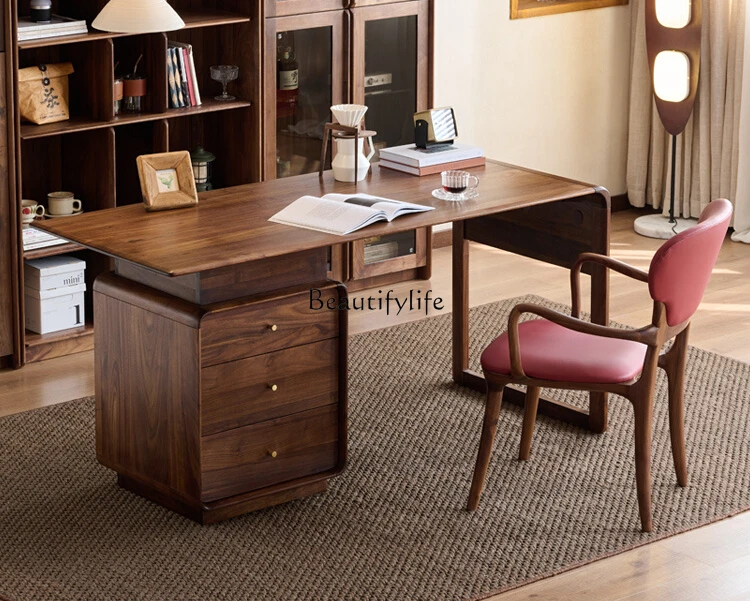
[(339, 43), (93, 153)]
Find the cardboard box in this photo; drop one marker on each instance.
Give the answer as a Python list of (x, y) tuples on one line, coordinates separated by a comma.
[(54, 310), (53, 272)]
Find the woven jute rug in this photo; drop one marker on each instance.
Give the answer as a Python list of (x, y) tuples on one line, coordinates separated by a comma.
[(393, 526)]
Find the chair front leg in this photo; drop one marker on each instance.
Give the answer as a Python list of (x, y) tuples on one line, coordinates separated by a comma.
[(489, 427), (643, 405), (529, 419), (673, 363)]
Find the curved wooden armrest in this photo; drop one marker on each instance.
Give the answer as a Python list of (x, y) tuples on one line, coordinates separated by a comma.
[(645, 335), (610, 263)]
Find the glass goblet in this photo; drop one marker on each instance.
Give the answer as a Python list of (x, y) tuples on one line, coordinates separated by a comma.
[(224, 74)]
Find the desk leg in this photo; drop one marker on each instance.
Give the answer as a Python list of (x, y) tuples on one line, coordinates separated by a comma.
[(460, 303)]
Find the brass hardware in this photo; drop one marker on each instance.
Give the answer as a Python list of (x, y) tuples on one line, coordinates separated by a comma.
[(273, 454), (273, 328), (273, 387)]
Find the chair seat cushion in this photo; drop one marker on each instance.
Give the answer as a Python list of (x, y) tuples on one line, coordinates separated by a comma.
[(552, 352)]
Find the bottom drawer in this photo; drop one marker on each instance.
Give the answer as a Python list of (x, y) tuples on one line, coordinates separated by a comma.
[(242, 460)]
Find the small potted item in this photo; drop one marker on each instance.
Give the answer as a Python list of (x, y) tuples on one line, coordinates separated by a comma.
[(134, 89)]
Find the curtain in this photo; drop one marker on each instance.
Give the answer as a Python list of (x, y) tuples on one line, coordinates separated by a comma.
[(708, 150), (742, 204)]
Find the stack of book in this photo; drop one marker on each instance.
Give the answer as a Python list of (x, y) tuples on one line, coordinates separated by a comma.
[(56, 27), (183, 83), (418, 161), (33, 239), (376, 251)]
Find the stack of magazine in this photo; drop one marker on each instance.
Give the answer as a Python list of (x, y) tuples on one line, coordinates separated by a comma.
[(56, 27), (33, 239), (431, 160), (183, 82)]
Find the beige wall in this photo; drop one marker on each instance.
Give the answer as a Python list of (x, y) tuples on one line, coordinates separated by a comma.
[(550, 93)]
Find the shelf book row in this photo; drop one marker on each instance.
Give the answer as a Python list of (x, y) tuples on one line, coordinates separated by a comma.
[(183, 83)]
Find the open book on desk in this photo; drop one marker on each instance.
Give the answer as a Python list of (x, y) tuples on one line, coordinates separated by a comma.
[(343, 213)]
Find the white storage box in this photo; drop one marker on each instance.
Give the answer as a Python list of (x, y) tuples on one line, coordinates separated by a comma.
[(53, 310), (53, 272)]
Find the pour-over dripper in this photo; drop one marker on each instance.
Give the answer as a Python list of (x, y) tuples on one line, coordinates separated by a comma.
[(350, 115)]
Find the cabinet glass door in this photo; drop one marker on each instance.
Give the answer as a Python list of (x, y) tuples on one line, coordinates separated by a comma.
[(390, 68), (304, 76)]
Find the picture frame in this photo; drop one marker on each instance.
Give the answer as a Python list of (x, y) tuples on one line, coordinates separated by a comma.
[(521, 9), (167, 180)]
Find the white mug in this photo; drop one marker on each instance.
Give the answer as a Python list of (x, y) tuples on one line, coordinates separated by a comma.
[(63, 203)]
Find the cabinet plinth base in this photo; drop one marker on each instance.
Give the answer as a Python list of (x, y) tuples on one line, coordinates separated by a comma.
[(223, 509)]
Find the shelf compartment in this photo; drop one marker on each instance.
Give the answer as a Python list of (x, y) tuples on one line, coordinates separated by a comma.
[(31, 131), (389, 253), (52, 251), (194, 19), (89, 96), (82, 163), (57, 344)]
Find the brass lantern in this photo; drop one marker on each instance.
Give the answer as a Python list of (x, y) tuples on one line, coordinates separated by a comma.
[(202, 169)]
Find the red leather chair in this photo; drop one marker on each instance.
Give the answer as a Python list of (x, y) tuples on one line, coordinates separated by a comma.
[(561, 351)]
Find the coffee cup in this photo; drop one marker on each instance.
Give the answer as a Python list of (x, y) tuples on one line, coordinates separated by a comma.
[(63, 203), (459, 182), (30, 210)]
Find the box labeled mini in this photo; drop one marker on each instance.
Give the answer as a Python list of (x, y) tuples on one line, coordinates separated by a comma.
[(54, 310), (53, 272)]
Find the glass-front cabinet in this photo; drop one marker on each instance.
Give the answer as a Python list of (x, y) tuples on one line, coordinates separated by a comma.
[(377, 54), (303, 76), (390, 67), (390, 75)]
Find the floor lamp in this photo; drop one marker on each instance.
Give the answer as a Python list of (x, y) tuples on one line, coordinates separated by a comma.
[(673, 46)]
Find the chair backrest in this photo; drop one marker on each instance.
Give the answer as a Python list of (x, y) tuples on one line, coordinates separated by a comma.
[(681, 268)]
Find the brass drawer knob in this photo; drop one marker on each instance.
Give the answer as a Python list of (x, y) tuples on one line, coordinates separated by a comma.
[(273, 454), (273, 328), (273, 387)]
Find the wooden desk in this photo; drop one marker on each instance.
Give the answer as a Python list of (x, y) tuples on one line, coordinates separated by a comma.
[(183, 339)]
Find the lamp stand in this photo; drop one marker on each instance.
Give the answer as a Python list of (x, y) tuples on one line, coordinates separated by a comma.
[(660, 226)]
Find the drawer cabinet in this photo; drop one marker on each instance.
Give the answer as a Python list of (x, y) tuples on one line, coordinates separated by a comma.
[(246, 410)]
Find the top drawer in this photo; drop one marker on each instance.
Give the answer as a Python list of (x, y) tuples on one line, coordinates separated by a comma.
[(267, 325)]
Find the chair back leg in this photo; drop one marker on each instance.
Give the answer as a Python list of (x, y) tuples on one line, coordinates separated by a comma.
[(673, 364), (489, 427), (643, 405), (529, 419)]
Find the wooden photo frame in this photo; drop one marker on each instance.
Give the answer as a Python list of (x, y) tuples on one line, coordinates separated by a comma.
[(167, 180), (521, 9)]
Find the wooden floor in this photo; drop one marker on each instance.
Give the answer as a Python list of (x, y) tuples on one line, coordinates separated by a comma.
[(707, 564)]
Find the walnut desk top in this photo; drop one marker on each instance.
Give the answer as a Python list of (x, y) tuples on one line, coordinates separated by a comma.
[(230, 226)]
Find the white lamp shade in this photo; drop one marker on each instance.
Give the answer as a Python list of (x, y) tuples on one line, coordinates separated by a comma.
[(138, 16), (672, 76), (674, 14)]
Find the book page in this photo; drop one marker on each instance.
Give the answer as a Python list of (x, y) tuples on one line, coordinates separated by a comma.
[(391, 208), (326, 215)]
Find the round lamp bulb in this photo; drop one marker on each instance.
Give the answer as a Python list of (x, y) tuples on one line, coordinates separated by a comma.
[(672, 76)]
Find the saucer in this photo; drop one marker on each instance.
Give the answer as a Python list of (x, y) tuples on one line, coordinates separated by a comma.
[(51, 216), (466, 195)]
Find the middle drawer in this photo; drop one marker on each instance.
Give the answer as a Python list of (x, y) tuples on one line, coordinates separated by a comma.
[(268, 386)]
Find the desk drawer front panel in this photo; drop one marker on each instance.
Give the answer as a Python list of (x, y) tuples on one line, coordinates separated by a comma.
[(242, 392), (265, 327), (242, 460)]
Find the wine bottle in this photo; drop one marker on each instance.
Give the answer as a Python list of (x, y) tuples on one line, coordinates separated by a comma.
[(287, 83)]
